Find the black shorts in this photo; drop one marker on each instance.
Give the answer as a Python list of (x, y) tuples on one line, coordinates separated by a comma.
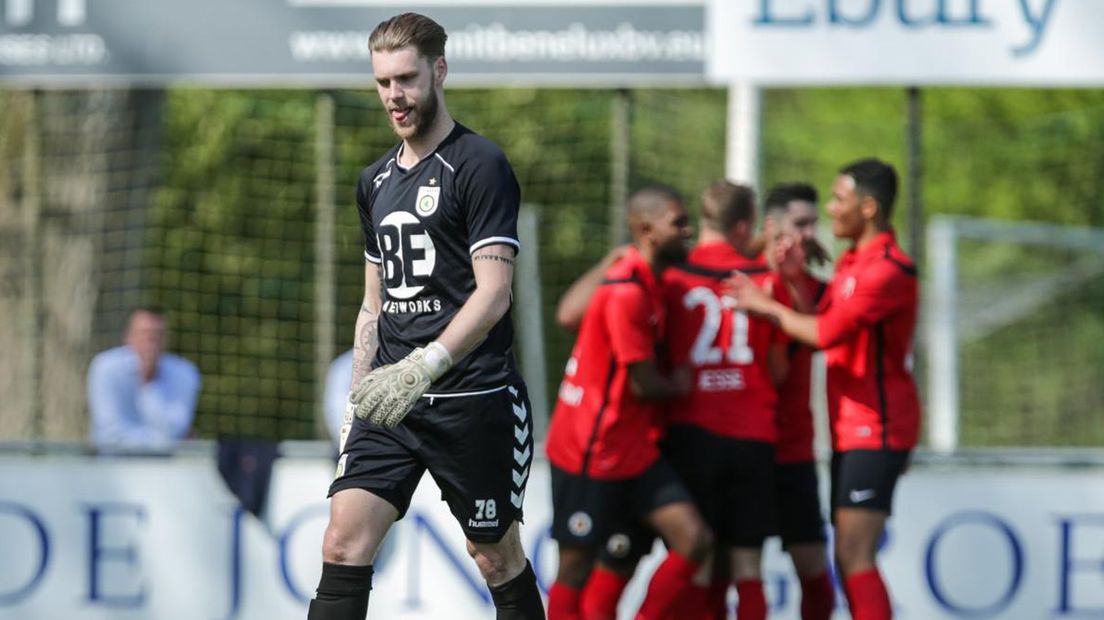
[(478, 448), (627, 545), (800, 520), (731, 481), (587, 511), (866, 478)]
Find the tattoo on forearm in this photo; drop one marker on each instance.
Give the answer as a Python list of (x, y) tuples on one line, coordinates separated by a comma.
[(367, 341), (494, 257)]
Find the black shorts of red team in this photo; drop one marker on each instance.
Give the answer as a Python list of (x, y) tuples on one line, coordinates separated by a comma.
[(478, 448), (588, 512), (866, 478), (731, 481), (628, 544), (798, 513), (800, 520)]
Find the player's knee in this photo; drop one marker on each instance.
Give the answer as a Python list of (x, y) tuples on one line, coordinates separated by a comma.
[(493, 565), (705, 542), (575, 566), (809, 560), (853, 551), (701, 541), (343, 545)]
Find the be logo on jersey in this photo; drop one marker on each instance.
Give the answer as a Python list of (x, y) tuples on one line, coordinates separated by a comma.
[(428, 198), (408, 256)]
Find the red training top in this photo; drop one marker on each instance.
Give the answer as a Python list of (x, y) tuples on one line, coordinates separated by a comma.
[(599, 427), (795, 415), (732, 394), (865, 325)]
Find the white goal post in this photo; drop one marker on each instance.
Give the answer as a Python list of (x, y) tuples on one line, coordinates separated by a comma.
[(946, 327)]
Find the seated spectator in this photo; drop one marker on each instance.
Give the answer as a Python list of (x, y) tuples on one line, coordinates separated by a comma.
[(141, 398)]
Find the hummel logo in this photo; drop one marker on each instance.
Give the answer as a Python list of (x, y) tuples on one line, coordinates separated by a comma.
[(521, 458), (520, 413), (516, 499), (858, 497), (519, 477), (521, 434)]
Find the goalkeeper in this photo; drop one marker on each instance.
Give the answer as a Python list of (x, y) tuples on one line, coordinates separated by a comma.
[(434, 384)]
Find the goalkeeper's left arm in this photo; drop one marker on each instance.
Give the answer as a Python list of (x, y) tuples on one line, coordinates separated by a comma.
[(387, 393)]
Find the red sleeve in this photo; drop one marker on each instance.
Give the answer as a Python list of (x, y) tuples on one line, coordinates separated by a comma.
[(629, 321), (880, 291)]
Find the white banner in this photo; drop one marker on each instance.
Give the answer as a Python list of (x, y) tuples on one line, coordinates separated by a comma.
[(969, 42), (124, 539), (312, 43)]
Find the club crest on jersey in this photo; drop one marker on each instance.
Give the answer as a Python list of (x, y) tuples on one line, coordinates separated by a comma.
[(428, 198), (848, 287)]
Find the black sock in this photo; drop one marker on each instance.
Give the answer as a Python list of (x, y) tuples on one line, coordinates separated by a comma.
[(342, 593), (519, 598)]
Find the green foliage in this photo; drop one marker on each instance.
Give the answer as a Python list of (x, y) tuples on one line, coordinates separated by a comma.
[(1006, 154), (232, 228), (231, 255)]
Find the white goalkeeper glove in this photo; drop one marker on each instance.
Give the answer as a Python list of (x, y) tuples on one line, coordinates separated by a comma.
[(387, 394)]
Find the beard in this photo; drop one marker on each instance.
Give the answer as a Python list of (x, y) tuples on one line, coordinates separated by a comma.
[(673, 252), (425, 114)]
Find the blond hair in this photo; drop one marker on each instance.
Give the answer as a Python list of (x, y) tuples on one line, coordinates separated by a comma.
[(409, 30), (725, 203)]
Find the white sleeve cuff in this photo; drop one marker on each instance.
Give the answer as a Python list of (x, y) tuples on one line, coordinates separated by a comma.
[(372, 259), (493, 240)]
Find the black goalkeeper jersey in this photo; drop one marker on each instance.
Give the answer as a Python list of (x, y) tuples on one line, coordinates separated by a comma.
[(421, 226)]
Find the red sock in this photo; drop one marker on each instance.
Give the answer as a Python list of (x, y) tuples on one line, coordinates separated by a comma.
[(867, 595), (818, 597), (718, 599), (752, 603), (694, 605), (563, 602), (601, 594), (669, 583)]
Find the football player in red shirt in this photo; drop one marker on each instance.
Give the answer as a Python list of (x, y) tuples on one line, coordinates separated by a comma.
[(602, 439), (865, 325), (789, 229), (721, 435)]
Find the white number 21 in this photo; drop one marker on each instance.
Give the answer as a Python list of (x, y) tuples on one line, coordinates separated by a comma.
[(704, 352)]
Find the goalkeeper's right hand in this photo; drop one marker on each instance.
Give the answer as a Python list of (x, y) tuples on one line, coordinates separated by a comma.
[(388, 393)]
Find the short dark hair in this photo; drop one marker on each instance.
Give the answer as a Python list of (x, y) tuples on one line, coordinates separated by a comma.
[(874, 178), (648, 198), (725, 203), (780, 196), (409, 29)]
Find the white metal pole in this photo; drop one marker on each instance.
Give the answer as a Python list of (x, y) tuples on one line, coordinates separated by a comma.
[(529, 318), (742, 133), (325, 267), (942, 351)]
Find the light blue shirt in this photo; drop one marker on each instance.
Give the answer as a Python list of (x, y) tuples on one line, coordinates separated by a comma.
[(129, 414), (338, 379)]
